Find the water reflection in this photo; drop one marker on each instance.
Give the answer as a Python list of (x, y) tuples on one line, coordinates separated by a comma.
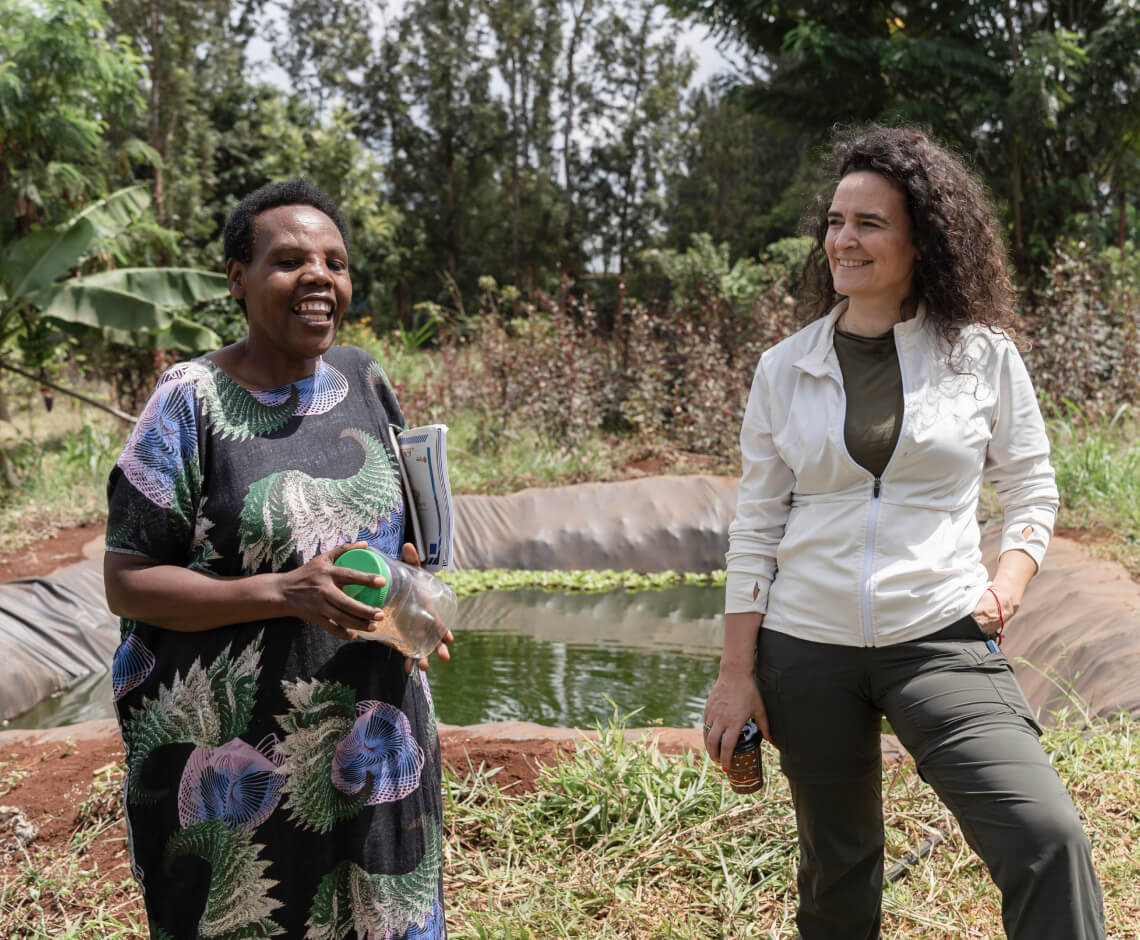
[(559, 659), (556, 659)]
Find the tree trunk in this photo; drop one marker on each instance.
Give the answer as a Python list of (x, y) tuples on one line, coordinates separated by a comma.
[(568, 105), (7, 471), (154, 107), (516, 185), (1015, 156), (1122, 219), (629, 183)]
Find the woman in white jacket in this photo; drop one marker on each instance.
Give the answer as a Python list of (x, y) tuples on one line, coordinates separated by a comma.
[(855, 583)]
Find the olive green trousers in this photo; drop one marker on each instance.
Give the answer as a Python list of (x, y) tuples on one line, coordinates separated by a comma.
[(956, 706)]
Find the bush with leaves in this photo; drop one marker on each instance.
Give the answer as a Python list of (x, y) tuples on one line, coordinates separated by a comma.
[(1084, 329), (676, 375)]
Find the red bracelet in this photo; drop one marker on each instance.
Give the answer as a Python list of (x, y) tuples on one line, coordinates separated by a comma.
[(1001, 616)]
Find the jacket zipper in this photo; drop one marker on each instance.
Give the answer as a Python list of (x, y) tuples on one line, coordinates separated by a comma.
[(873, 513), (873, 519), (869, 561)]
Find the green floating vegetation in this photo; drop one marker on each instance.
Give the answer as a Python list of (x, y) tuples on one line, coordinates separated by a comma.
[(468, 583)]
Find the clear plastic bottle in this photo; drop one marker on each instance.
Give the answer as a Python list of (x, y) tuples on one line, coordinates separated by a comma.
[(419, 607)]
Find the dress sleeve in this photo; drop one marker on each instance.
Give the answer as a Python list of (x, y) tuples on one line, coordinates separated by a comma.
[(155, 487), (763, 502), (1017, 459)]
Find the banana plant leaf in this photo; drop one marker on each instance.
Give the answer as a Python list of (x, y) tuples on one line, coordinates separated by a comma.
[(166, 287), (102, 307), (33, 262), (36, 260), (182, 334), (112, 215)]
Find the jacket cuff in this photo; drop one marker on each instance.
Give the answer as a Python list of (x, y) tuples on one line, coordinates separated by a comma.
[(746, 593), (1030, 535)]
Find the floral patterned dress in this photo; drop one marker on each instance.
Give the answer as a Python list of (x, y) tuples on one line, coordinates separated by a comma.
[(280, 782)]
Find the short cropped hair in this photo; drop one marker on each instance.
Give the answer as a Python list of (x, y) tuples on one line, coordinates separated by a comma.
[(237, 239)]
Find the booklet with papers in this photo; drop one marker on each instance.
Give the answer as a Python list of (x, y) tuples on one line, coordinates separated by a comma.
[(422, 453)]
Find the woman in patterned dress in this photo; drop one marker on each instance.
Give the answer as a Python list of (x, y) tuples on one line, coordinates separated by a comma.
[(283, 772)]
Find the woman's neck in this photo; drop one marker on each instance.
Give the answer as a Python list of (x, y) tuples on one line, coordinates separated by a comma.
[(875, 319), (259, 374)]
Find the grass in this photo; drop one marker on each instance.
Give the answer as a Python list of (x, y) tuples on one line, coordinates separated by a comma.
[(520, 458), (59, 891), (63, 461), (620, 841), (1098, 474)]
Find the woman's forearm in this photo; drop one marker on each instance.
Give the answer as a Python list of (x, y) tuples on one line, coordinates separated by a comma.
[(1015, 569), (179, 599), (740, 633)]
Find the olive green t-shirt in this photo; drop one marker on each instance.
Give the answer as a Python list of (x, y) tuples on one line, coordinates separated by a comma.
[(873, 383)]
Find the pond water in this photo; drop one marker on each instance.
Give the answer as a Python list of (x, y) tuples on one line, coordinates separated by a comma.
[(559, 659)]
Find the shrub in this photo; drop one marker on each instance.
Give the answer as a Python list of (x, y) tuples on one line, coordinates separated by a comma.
[(678, 374), (1084, 329)]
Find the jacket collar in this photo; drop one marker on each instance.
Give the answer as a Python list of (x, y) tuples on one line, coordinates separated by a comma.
[(820, 359)]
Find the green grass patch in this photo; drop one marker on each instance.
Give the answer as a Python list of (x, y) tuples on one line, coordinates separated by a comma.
[(621, 841), (494, 461), (59, 892), (63, 480), (1098, 474), (10, 775)]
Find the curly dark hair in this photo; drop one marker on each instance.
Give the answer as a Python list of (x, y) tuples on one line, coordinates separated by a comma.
[(960, 270), (237, 239)]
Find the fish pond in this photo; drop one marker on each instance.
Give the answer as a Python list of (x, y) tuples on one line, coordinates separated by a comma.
[(562, 659)]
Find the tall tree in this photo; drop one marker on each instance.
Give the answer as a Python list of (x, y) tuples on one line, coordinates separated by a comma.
[(426, 104), (641, 77), (1011, 83), (64, 86), (735, 170), (527, 42), (574, 93), (194, 50)]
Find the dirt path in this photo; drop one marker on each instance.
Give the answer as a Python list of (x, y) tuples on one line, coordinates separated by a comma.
[(65, 547)]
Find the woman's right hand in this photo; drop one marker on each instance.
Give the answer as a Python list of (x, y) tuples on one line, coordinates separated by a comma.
[(315, 592), (733, 700)]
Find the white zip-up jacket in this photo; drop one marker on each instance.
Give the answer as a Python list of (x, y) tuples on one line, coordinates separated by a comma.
[(831, 554)]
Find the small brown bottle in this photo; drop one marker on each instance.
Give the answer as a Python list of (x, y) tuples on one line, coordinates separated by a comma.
[(745, 771)]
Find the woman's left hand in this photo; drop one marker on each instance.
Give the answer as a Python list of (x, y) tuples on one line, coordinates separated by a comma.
[(1015, 568), (987, 615), (411, 557)]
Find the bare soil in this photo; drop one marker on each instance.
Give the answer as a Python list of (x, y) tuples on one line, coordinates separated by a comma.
[(64, 547), (57, 780)]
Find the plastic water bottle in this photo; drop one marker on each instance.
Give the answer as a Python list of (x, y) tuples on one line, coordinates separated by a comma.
[(419, 607)]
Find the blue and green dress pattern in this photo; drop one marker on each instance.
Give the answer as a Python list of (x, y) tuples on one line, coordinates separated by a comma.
[(280, 782)]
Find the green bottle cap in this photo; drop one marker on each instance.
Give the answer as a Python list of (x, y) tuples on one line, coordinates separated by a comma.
[(365, 559)]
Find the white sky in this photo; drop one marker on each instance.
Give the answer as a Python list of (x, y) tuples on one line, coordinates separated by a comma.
[(710, 61)]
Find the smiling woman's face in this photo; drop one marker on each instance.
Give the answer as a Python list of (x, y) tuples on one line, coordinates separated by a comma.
[(868, 243), (295, 286)]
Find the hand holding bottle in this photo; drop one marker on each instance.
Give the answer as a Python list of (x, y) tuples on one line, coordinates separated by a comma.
[(418, 607)]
